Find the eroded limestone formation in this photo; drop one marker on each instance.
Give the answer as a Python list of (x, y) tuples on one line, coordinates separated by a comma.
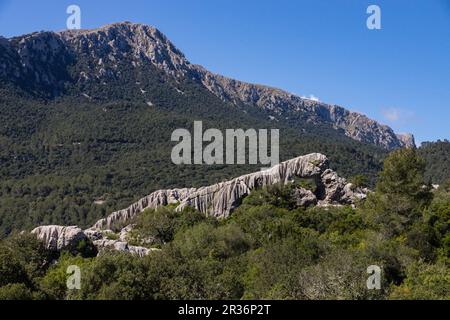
[(118, 245), (220, 199), (217, 200), (58, 237), (155, 200)]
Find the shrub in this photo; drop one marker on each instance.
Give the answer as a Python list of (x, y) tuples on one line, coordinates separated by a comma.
[(15, 291)]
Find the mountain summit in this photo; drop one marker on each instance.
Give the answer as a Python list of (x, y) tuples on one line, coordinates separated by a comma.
[(56, 63)]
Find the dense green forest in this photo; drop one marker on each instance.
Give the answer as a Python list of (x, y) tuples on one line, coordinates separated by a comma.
[(268, 248), (437, 157)]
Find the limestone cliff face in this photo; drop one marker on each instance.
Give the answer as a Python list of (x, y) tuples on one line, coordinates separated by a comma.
[(281, 103), (42, 60), (217, 200), (407, 139), (58, 237), (220, 199), (155, 200), (135, 44)]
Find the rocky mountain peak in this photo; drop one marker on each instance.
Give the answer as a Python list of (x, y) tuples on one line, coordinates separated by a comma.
[(407, 139), (44, 61), (132, 42)]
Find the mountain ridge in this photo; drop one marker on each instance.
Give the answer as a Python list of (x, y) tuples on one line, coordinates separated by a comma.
[(45, 57)]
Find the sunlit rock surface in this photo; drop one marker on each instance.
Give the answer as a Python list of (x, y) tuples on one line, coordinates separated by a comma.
[(218, 200)]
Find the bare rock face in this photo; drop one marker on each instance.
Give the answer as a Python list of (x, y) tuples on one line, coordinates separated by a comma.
[(94, 234), (304, 198), (407, 139), (220, 199), (281, 103), (217, 200), (123, 235), (133, 42), (334, 187), (152, 201), (141, 251), (58, 238), (122, 246), (38, 60), (336, 190)]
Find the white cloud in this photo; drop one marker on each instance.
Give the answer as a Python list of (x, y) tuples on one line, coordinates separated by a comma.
[(311, 97), (396, 115), (391, 114)]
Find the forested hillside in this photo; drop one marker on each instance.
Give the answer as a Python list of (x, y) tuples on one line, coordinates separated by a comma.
[(437, 157)]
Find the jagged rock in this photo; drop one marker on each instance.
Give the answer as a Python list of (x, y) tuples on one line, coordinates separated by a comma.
[(93, 234), (154, 200), (141, 251), (337, 191), (334, 186), (111, 244), (121, 246), (220, 199), (123, 235), (217, 200), (58, 237), (355, 125), (407, 139), (304, 198)]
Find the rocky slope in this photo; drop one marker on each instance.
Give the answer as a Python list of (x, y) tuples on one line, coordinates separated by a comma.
[(47, 61), (283, 104), (217, 200)]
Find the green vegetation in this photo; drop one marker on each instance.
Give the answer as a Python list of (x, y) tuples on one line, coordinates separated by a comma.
[(266, 249), (437, 157), (359, 181)]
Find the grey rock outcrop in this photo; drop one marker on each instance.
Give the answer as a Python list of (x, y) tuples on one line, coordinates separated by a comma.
[(123, 246), (337, 190), (152, 201), (220, 199), (304, 197), (123, 235), (58, 237), (281, 103), (217, 200), (407, 139)]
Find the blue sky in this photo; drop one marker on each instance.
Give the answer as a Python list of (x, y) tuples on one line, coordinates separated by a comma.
[(399, 75)]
